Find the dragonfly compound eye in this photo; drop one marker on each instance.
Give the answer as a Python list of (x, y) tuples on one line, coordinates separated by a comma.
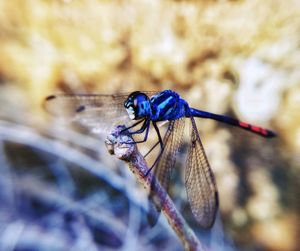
[(135, 105)]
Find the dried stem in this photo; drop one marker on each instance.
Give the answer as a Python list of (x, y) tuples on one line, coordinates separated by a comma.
[(120, 144)]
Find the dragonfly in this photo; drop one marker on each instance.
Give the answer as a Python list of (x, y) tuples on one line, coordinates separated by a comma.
[(141, 110)]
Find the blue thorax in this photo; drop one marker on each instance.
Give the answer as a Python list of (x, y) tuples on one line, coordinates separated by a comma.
[(167, 105)]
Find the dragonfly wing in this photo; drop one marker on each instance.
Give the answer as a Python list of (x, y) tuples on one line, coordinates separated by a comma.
[(96, 112), (200, 182), (163, 170)]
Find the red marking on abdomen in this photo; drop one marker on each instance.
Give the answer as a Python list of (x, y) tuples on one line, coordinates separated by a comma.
[(255, 128), (263, 131), (259, 130), (243, 124)]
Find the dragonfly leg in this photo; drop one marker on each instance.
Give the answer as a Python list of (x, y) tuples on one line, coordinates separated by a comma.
[(158, 135), (151, 149), (146, 127), (142, 129), (161, 148), (135, 124)]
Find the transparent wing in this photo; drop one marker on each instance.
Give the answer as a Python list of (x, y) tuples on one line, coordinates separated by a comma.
[(163, 170), (95, 111), (200, 182)]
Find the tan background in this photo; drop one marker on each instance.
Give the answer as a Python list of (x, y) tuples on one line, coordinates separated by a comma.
[(233, 57)]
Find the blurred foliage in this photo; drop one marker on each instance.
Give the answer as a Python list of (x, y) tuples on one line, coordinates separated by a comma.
[(234, 57)]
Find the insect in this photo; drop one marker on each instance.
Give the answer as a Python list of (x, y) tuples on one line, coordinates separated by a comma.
[(100, 112)]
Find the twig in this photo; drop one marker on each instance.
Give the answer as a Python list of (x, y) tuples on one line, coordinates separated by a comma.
[(122, 145)]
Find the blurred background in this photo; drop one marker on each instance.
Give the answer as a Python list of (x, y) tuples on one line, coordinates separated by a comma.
[(59, 188)]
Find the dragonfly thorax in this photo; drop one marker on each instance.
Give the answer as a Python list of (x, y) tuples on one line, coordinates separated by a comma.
[(138, 105)]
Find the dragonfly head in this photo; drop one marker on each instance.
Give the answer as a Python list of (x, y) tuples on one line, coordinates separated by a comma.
[(137, 105)]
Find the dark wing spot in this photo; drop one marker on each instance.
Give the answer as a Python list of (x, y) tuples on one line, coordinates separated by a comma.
[(217, 200), (50, 97), (80, 108)]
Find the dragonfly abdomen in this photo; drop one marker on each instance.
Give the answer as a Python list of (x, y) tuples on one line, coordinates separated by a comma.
[(231, 121)]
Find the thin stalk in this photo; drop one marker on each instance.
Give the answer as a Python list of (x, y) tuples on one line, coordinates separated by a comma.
[(120, 144)]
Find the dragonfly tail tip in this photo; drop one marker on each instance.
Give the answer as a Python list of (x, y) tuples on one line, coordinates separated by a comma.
[(271, 134)]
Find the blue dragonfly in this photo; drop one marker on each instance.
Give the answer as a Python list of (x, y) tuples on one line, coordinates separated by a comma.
[(141, 110)]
